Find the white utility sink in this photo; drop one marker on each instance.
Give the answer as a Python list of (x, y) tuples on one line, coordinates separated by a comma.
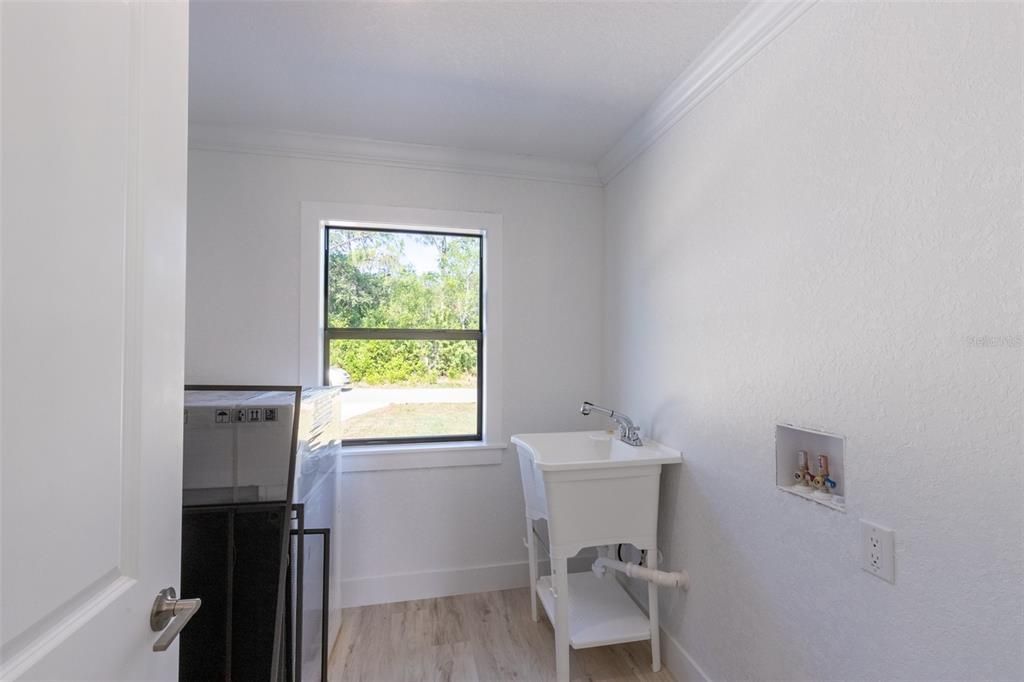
[(594, 490), (590, 450), (589, 457)]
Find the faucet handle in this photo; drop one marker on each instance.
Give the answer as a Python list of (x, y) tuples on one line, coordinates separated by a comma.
[(630, 434)]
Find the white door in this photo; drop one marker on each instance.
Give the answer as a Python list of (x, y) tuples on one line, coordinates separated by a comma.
[(92, 264)]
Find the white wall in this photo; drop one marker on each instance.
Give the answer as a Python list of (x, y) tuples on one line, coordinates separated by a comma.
[(817, 242), (242, 327)]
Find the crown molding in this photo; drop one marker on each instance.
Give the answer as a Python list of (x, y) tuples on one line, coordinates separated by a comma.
[(379, 153), (754, 28)]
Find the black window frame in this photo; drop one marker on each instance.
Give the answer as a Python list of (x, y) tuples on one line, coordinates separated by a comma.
[(392, 334)]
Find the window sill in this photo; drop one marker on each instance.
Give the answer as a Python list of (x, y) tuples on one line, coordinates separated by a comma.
[(357, 458)]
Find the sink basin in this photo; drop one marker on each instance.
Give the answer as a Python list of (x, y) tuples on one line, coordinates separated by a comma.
[(590, 450), (591, 487)]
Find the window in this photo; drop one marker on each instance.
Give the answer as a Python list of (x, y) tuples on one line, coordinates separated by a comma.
[(403, 332)]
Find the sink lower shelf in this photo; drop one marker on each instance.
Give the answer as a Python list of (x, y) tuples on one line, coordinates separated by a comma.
[(600, 611)]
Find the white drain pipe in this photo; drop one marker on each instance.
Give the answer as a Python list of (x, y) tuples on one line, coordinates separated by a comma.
[(678, 579)]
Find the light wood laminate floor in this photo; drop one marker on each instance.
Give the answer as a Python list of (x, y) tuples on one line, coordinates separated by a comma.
[(485, 636)]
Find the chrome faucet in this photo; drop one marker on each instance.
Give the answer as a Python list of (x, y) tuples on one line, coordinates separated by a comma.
[(628, 431)]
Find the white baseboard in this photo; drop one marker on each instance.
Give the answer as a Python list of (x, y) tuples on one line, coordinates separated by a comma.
[(679, 662), (385, 589)]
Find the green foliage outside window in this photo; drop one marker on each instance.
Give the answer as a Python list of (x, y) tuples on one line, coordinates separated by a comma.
[(373, 283)]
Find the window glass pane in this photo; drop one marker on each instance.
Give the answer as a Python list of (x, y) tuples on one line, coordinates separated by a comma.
[(402, 280), (405, 389)]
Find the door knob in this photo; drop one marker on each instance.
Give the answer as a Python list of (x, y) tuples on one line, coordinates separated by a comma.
[(170, 614)]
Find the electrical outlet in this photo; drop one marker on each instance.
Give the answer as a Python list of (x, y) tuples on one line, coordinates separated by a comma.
[(879, 551)]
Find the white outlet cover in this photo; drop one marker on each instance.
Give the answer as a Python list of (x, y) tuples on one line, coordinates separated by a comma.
[(879, 551)]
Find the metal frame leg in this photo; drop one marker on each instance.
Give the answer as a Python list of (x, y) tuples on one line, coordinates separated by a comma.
[(531, 550), (325, 597), (300, 574), (652, 612), (560, 576)]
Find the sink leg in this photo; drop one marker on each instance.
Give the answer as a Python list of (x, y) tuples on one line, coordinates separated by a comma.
[(559, 572), (652, 610), (531, 550)]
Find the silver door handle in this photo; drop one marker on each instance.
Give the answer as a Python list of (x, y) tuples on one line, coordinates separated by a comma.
[(166, 607)]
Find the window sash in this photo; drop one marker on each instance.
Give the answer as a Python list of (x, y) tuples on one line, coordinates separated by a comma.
[(341, 228), (420, 335)]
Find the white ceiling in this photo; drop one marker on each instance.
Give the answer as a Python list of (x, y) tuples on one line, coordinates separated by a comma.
[(554, 79)]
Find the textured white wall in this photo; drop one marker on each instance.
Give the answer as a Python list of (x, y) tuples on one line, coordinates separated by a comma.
[(817, 242), (242, 327)]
